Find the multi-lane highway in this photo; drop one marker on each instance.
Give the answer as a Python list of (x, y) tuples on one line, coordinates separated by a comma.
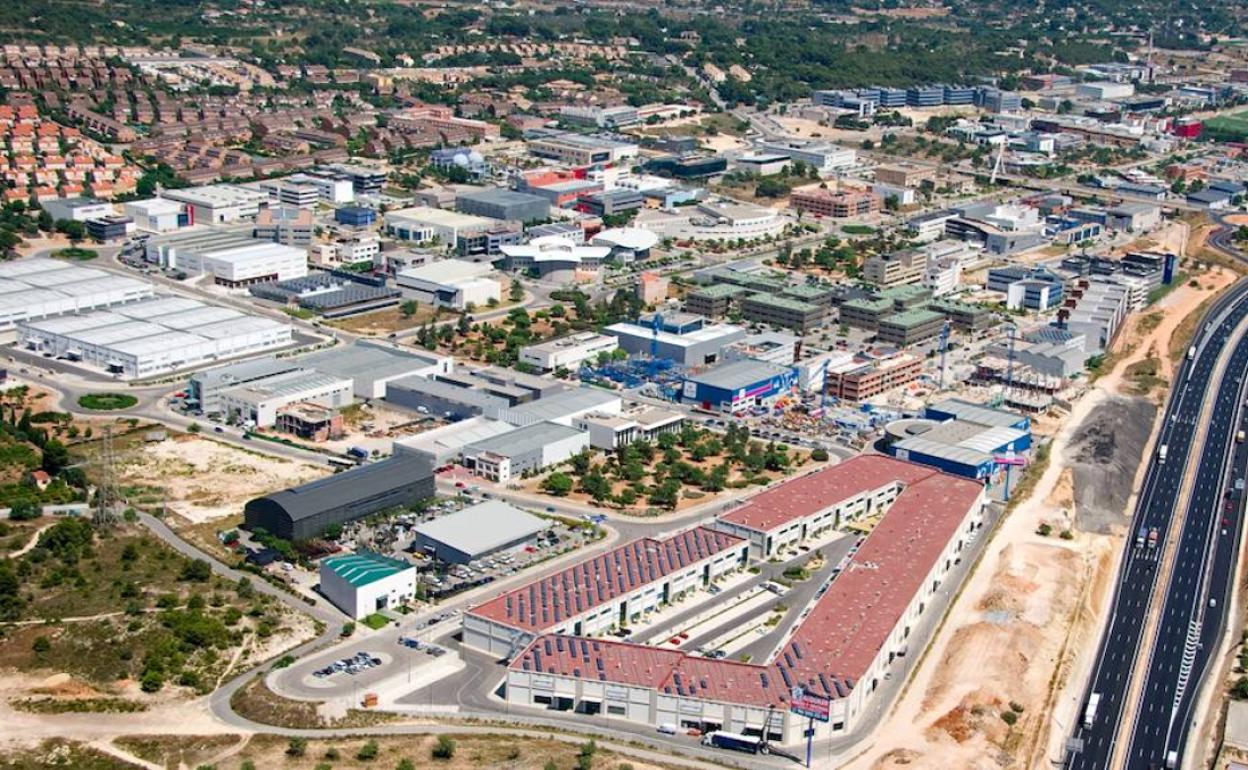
[(1195, 583)]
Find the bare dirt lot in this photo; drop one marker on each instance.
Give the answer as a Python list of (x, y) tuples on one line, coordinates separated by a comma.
[(204, 479)]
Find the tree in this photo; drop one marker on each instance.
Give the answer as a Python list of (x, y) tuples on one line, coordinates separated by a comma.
[(348, 629), (819, 455), (443, 748), (516, 292), (405, 764), (409, 308), (368, 751), (297, 747), (41, 645), (196, 571), (55, 457), (23, 510), (72, 229), (596, 486), (464, 325), (558, 484)]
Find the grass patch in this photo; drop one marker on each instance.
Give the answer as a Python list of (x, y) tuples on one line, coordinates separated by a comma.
[(76, 253), (1150, 322), (1145, 375), (1186, 330), (852, 229), (79, 706), (106, 402), (260, 704), (174, 751), (1031, 476), (60, 753), (376, 621), (1158, 294)]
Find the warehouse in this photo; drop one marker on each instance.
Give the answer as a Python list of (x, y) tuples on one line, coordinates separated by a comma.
[(686, 339), (38, 288), (155, 215), (961, 438), (373, 365), (205, 388), (303, 512), (738, 385), (611, 589), (476, 532), (328, 295), (531, 448), (423, 223), (443, 445), (957, 409), (842, 649), (568, 352), (217, 204), (564, 407), (232, 259), (363, 583), (258, 403), (443, 399), (497, 203), (452, 283), (154, 336)]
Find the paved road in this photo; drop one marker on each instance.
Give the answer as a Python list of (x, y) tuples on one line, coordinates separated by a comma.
[(1123, 644)]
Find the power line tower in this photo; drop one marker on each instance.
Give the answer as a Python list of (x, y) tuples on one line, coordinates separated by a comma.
[(106, 497)]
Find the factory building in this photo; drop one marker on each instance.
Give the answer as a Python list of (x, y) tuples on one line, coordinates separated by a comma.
[(686, 339), (155, 215), (568, 352), (609, 590), (738, 385), (259, 402), (38, 287), (154, 336), (497, 203), (531, 448), (218, 204), (443, 445), (825, 157), (304, 512), (579, 150), (205, 387), (372, 365), (476, 532), (960, 437), (363, 583), (842, 649), (232, 259), (452, 283)]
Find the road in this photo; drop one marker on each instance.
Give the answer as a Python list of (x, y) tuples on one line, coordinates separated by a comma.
[(1171, 662)]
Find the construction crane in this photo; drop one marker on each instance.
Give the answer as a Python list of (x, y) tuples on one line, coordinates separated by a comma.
[(996, 164), (944, 348)]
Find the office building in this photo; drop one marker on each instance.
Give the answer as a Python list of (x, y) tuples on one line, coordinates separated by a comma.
[(452, 283), (820, 202), (524, 450), (684, 339), (579, 150), (568, 352), (497, 203)]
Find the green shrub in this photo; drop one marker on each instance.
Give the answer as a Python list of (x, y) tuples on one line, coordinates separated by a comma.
[(368, 751), (443, 749)]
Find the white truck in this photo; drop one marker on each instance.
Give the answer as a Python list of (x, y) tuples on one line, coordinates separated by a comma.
[(1161, 453), (1089, 713)]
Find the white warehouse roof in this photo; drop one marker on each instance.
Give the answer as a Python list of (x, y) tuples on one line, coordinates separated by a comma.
[(482, 528)]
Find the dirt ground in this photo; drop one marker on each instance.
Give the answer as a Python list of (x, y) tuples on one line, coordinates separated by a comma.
[(205, 479), (1027, 621)]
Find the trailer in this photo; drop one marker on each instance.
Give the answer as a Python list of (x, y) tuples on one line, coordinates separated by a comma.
[(750, 744), (1089, 713)]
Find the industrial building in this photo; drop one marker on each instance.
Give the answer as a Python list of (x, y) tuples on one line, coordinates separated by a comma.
[(476, 532), (738, 385), (373, 365), (232, 259), (568, 352), (259, 402), (497, 203), (443, 445), (76, 209), (528, 449), (154, 336), (564, 406), (330, 295), (452, 283), (205, 388), (960, 437), (606, 591), (688, 340), (303, 512), (872, 373), (363, 583), (39, 287), (825, 157), (219, 203), (842, 649), (155, 215), (580, 150)]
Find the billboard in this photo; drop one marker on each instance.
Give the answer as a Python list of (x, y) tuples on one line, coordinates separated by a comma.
[(809, 705)]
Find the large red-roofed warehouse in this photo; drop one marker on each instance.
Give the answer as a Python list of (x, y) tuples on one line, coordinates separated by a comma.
[(841, 649)]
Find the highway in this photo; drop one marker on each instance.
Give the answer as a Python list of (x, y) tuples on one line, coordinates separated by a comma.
[(1193, 599)]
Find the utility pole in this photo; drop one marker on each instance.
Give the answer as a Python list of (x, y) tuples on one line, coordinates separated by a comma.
[(105, 515)]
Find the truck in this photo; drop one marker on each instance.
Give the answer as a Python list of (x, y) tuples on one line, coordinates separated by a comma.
[(359, 453), (750, 744), (1161, 453), (1239, 435), (1172, 760), (1141, 536), (1152, 538), (1191, 352), (1089, 713)]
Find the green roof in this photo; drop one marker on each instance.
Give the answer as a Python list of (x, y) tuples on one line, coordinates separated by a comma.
[(954, 306), (715, 291), (872, 305), (910, 318), (807, 291), (787, 303), (904, 292), (360, 569)]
